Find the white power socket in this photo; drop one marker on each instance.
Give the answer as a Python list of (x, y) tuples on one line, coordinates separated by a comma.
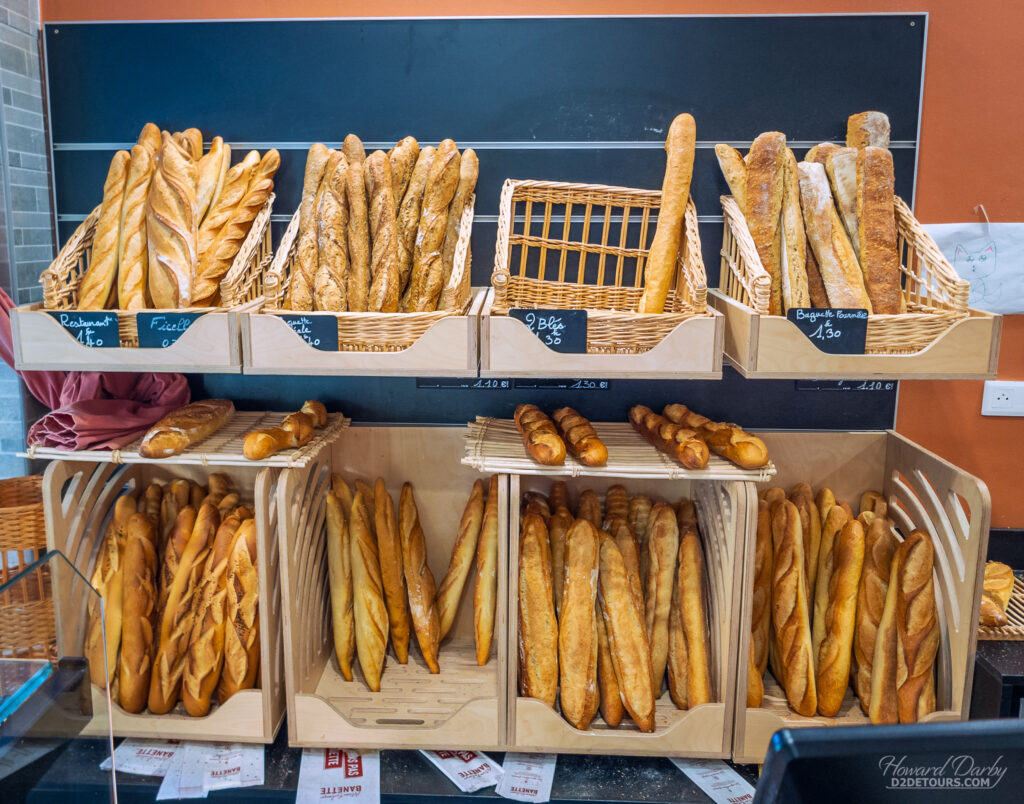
[(1003, 398)]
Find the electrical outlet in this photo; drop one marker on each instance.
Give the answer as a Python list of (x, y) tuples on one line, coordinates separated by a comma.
[(1003, 398)]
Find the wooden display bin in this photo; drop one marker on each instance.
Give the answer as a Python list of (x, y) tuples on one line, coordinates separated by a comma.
[(923, 491), (727, 511), (583, 247), (938, 338), (441, 343), (464, 705), (78, 498), (51, 336)]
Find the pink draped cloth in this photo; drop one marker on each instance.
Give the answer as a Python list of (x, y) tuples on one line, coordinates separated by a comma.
[(91, 410)]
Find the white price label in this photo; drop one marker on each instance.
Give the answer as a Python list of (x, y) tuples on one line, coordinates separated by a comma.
[(334, 774), (468, 770)]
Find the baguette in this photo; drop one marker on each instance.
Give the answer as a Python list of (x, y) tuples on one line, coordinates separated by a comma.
[(383, 296), (616, 503), (876, 222), (879, 547), (353, 149), (339, 573), (577, 629), (409, 215), (174, 549), (689, 600), (235, 183), (992, 614), (486, 591), (370, 614), (885, 671), (790, 616), (536, 502), (588, 507), (402, 159), (538, 629), (735, 171), (191, 140), (175, 498), (836, 520), (841, 167), (833, 655), (558, 496), (343, 493), (765, 195), (824, 499), (761, 603), (997, 588), (580, 437), (149, 503), (627, 638), (132, 252), (755, 680), (97, 290), (450, 593), (773, 495), (607, 685), (139, 609), (186, 426), (419, 580), (735, 444), (196, 494), (867, 129), (802, 497), (540, 437), (794, 266), (300, 283), (917, 625), (678, 668), (874, 502), (330, 284), (469, 171), (629, 548), (833, 253), (662, 550), (151, 137), (209, 173), (660, 270), (390, 551), (172, 229), (639, 515), (558, 529), (427, 265), (815, 283), (242, 625)]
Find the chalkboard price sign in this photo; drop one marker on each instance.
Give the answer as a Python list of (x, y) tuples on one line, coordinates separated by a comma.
[(838, 331), (846, 385), (160, 330), (319, 331), (559, 330), (567, 385), (97, 329), (474, 383)]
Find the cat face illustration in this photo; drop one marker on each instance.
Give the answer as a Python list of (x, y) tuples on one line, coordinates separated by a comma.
[(972, 265)]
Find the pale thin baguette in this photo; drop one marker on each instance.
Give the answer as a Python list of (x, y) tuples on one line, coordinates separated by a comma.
[(577, 629), (794, 268), (485, 594), (662, 549), (765, 192), (463, 551), (339, 573), (409, 216), (370, 614), (304, 266), (558, 529), (538, 628), (469, 170), (419, 580), (692, 599), (390, 553), (97, 288)]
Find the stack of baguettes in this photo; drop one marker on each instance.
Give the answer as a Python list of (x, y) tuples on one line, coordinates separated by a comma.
[(381, 584), (690, 438), (611, 604), (378, 233), (177, 573), (172, 221), (841, 601), (824, 228)]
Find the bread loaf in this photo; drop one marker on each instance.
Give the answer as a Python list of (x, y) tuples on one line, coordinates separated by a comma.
[(540, 438), (427, 266), (802, 497), (735, 171), (629, 548), (588, 507), (538, 629), (765, 195), (917, 625), (353, 149), (241, 615), (874, 502), (662, 551), (824, 499), (409, 216), (536, 502), (833, 656), (330, 285), (186, 426), (678, 668), (627, 638), (175, 498), (834, 523), (172, 229), (236, 182), (209, 173), (383, 296), (660, 270), (580, 437), (486, 590), (304, 267), (97, 291), (690, 601), (419, 580), (761, 603), (879, 546), (132, 252), (815, 282), (755, 680), (734, 444), (577, 629), (997, 589), (402, 159), (794, 266), (821, 152), (369, 611), (390, 550), (607, 685), (841, 167), (885, 670), (867, 129), (616, 503), (879, 251), (558, 530), (639, 515), (469, 170), (450, 592), (151, 137), (139, 610), (192, 142), (339, 574)]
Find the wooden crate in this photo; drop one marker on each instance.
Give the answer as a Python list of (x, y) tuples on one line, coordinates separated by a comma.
[(462, 706), (727, 510), (438, 344), (78, 499), (542, 260), (938, 338), (210, 344), (923, 491)]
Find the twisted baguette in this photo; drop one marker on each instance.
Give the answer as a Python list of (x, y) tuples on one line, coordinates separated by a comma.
[(389, 550), (242, 625), (450, 592), (427, 264), (132, 251), (383, 296), (172, 229), (96, 291), (369, 611), (577, 629), (538, 629), (330, 284), (233, 188)]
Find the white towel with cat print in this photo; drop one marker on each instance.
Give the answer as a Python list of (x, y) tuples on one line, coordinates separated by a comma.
[(988, 255)]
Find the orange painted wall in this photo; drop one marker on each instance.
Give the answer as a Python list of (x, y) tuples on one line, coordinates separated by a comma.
[(971, 122)]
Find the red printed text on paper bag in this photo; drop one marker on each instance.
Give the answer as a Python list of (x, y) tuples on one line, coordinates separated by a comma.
[(465, 756), (351, 763)]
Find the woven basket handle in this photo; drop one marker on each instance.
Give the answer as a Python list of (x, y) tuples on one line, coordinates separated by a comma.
[(749, 271), (275, 280), (500, 276)]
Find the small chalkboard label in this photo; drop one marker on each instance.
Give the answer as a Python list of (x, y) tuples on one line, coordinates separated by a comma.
[(319, 331), (473, 383), (160, 330), (560, 330), (92, 328), (838, 331), (582, 384), (846, 385)]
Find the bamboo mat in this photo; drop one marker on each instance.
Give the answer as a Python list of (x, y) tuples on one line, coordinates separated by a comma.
[(495, 446), (1014, 613), (223, 448)]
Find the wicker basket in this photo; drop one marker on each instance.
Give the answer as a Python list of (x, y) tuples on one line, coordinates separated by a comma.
[(241, 285), (26, 609), (936, 297), (376, 332), (608, 285)]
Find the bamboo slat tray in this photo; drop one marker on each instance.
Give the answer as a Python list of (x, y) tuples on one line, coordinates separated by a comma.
[(495, 446), (223, 448), (1014, 613)]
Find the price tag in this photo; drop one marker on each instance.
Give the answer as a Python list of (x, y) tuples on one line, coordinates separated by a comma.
[(560, 330), (838, 331), (474, 383), (565, 385), (160, 330), (93, 328), (846, 385), (319, 331)]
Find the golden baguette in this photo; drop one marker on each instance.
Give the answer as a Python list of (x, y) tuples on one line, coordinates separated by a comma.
[(427, 266), (577, 629), (241, 615), (588, 507), (300, 283), (540, 438), (662, 550), (629, 547), (172, 229), (235, 183), (761, 603), (209, 172), (139, 609), (558, 529), (538, 628), (175, 498), (607, 685), (96, 290), (836, 520), (876, 222), (339, 573), (463, 551), (691, 584), (997, 589), (616, 503), (390, 548), (370, 614), (409, 216), (469, 170), (330, 283), (765, 195), (383, 296), (419, 580), (917, 625), (795, 291), (174, 548), (824, 499), (132, 250), (802, 497), (558, 496), (353, 149), (485, 594), (403, 159), (580, 437), (735, 171), (678, 668), (879, 546), (639, 516), (884, 704), (151, 137), (755, 680)]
